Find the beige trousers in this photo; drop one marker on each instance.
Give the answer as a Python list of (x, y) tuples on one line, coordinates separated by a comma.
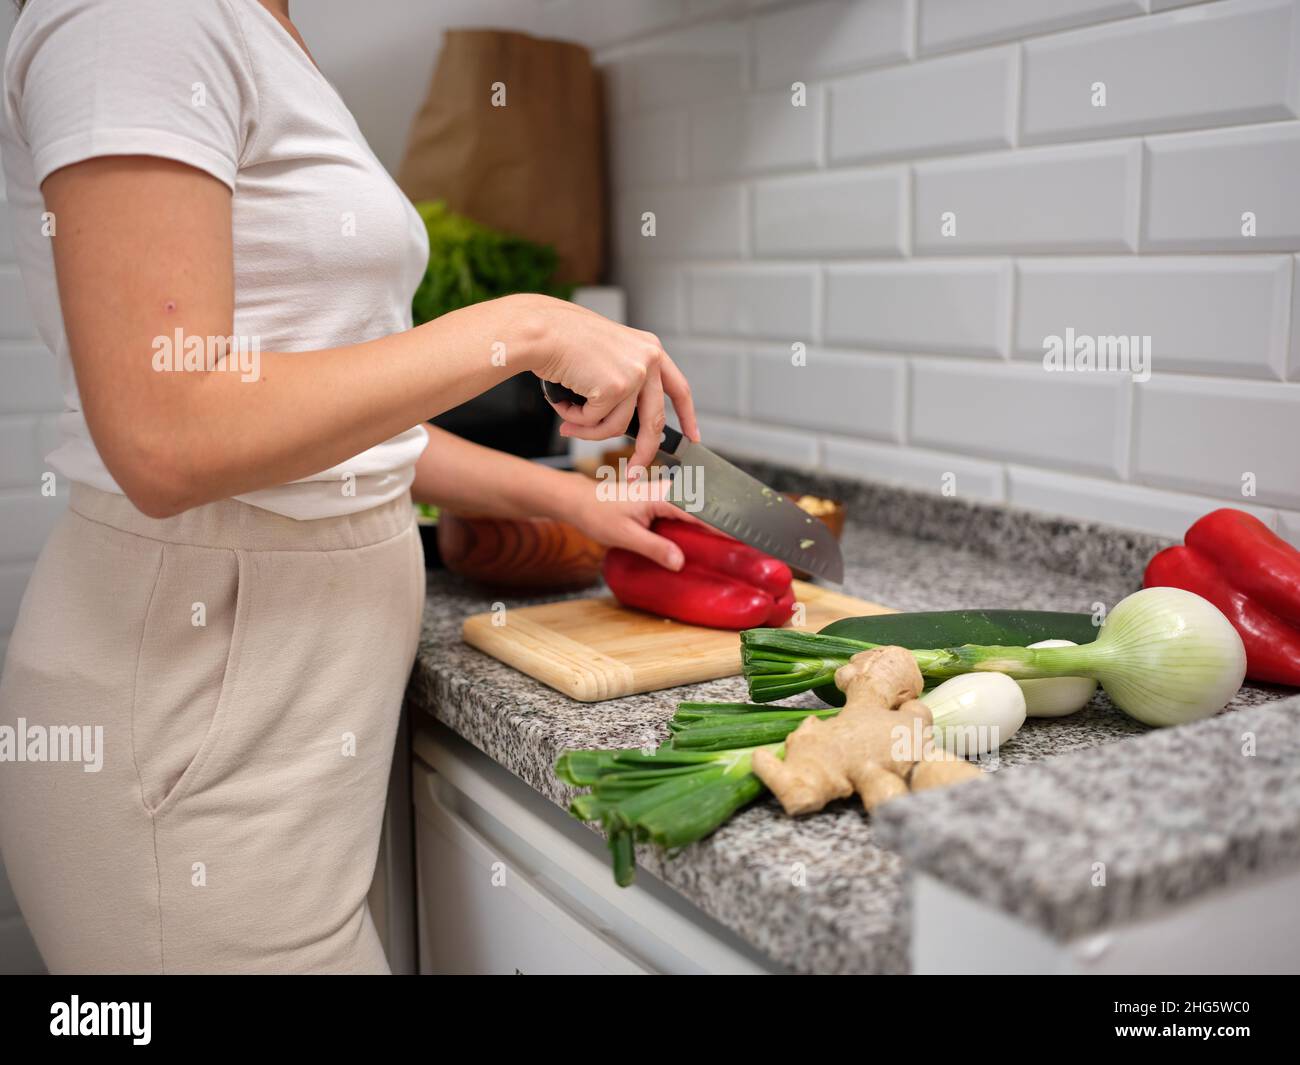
[(247, 671)]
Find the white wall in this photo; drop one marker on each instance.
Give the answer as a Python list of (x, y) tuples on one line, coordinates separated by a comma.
[(820, 225)]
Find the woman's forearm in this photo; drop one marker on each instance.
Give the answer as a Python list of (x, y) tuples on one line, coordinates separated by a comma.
[(471, 479), (306, 412)]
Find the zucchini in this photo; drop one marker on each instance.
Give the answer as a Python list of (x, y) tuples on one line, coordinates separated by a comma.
[(952, 628)]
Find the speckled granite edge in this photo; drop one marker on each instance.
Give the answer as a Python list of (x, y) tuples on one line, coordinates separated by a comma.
[(999, 531), (1169, 815)]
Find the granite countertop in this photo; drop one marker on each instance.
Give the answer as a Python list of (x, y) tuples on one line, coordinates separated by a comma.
[(827, 893)]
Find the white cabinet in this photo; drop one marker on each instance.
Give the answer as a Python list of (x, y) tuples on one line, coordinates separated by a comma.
[(505, 884)]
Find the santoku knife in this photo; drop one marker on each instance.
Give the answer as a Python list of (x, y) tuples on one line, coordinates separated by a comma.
[(737, 504)]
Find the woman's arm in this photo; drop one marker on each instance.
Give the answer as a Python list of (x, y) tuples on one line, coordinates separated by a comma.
[(472, 479), (143, 248)]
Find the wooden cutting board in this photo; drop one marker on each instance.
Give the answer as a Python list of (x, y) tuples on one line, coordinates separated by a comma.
[(594, 649)]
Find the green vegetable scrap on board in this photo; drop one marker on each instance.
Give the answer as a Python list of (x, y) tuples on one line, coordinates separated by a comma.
[(470, 263)]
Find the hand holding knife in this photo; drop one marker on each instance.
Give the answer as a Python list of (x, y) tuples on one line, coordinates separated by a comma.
[(736, 503)]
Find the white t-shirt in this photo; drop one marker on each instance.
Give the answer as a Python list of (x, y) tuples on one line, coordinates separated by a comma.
[(327, 249)]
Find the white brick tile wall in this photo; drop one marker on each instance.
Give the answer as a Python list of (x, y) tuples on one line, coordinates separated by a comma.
[(1204, 435), (910, 467), (1132, 506), (839, 392), (1222, 64), (1288, 526), (934, 107), (1075, 199), (715, 371), (1115, 220), (749, 440), (690, 222), (1022, 413), (809, 41), (1218, 314), (946, 25), (959, 308), (840, 213), (762, 132), (773, 302), (31, 383), (649, 149), (1199, 186), (15, 319)]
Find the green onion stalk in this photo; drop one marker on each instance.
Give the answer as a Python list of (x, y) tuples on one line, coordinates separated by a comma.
[(1164, 656), (667, 797)]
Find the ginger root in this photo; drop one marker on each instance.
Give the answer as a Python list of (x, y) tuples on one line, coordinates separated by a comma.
[(880, 745)]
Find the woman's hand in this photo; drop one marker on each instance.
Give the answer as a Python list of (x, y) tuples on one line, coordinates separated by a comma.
[(625, 522), (618, 369)]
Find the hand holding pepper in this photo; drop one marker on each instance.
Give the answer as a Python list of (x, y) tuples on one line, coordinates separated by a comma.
[(724, 584)]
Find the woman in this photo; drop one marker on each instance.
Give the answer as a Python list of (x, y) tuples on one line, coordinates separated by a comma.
[(224, 272)]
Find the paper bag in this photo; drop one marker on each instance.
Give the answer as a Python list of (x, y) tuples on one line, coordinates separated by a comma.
[(512, 135)]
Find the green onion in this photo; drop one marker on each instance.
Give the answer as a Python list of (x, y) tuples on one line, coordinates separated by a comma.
[(668, 797), (1164, 656)]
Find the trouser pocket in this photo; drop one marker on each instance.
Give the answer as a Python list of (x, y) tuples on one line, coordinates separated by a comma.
[(186, 649)]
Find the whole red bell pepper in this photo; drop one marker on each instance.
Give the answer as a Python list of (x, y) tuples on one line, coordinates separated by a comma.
[(1251, 578), (1252, 557), (724, 584)]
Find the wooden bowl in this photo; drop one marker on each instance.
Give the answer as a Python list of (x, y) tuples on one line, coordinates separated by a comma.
[(525, 555), (833, 519)]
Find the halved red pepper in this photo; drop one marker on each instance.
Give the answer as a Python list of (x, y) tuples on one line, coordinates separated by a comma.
[(726, 555), (1251, 578), (693, 594)]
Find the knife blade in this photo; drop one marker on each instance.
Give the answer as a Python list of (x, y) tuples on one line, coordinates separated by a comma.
[(731, 501)]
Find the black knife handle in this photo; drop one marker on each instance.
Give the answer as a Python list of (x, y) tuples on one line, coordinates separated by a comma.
[(555, 392)]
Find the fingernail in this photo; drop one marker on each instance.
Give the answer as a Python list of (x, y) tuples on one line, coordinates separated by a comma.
[(676, 561)]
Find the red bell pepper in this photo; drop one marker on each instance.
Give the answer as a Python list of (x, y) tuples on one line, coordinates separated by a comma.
[(1228, 562), (722, 553), (724, 584), (694, 594), (1252, 557)]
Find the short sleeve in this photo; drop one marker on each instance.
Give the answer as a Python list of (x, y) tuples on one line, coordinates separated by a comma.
[(169, 78)]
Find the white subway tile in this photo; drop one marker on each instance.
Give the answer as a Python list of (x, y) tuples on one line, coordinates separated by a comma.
[(715, 370), (1203, 435), (687, 65), (31, 381), (861, 213), (1057, 200), (910, 467), (1130, 506), (20, 451), (604, 24), (941, 307), (1293, 373), (954, 104), (788, 447), (1221, 64), (1288, 526), (1198, 186), (15, 317), (655, 297), (1219, 314), (946, 25), (842, 392), (809, 41), (760, 132), (1166, 5), (690, 222), (648, 149), (773, 302), (27, 518), (1022, 413)]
